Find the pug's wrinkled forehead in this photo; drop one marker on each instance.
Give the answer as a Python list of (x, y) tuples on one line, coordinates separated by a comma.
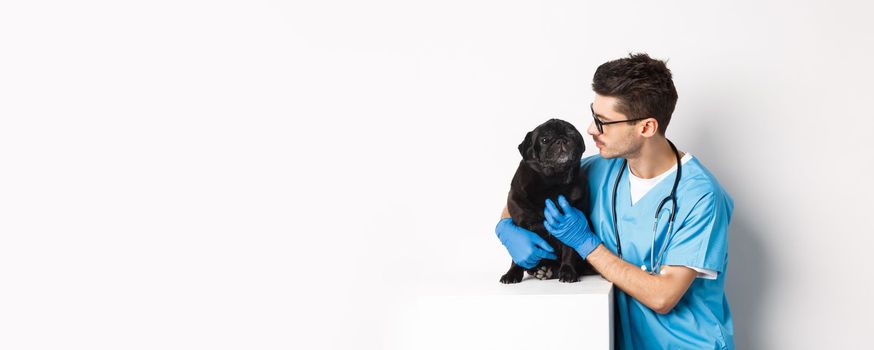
[(555, 128)]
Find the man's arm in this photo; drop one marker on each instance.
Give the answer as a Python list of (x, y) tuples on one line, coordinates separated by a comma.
[(659, 293)]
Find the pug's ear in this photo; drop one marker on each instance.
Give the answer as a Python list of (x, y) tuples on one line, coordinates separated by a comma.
[(526, 148), (578, 138)]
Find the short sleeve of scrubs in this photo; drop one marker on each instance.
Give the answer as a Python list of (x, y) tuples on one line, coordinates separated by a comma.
[(701, 240)]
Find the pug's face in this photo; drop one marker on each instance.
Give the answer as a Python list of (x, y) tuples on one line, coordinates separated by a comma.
[(553, 147)]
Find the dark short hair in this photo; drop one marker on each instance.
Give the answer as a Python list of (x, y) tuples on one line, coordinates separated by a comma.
[(642, 85)]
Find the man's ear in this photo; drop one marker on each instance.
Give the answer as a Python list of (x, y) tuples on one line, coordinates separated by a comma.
[(650, 127), (525, 148)]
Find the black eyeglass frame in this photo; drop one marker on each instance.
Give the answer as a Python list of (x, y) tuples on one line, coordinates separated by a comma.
[(601, 124)]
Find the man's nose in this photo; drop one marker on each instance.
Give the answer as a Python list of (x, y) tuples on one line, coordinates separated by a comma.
[(592, 129)]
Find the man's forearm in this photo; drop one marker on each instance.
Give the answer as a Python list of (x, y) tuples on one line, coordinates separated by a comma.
[(660, 292)]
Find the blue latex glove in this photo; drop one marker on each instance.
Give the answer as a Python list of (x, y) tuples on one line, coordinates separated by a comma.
[(570, 226), (525, 247)]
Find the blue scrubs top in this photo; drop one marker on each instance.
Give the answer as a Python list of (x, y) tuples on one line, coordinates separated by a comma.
[(701, 319)]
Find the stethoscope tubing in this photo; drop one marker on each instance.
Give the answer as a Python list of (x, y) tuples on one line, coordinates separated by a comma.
[(672, 197)]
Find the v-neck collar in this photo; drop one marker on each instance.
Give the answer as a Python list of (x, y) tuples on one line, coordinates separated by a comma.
[(645, 201), (670, 174)]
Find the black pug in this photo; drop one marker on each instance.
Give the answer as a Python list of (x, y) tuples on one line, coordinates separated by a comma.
[(550, 166)]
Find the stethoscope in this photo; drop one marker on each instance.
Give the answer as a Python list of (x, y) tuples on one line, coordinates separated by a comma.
[(673, 211)]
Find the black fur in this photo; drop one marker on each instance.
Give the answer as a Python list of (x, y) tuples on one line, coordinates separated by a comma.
[(550, 166)]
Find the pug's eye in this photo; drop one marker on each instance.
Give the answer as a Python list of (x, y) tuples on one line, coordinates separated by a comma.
[(543, 140)]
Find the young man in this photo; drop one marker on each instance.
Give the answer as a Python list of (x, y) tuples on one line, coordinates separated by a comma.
[(670, 275)]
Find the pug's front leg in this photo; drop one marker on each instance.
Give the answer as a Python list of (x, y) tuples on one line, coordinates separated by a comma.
[(571, 264), (513, 275)]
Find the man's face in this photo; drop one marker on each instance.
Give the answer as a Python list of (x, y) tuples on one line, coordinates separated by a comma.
[(617, 140)]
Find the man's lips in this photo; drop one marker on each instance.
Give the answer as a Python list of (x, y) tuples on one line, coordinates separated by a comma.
[(599, 144)]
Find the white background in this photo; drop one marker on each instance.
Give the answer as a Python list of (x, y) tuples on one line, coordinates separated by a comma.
[(266, 174)]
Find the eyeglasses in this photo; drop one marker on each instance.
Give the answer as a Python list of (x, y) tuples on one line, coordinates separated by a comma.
[(601, 124)]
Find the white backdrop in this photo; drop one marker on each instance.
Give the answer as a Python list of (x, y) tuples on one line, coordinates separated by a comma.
[(267, 174)]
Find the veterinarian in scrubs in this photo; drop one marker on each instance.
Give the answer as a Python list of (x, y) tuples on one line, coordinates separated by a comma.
[(683, 305)]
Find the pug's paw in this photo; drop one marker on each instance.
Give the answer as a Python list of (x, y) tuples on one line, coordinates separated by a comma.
[(511, 277), (567, 274), (543, 272)]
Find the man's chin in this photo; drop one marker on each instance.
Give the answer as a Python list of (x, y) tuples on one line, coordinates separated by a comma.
[(604, 154)]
